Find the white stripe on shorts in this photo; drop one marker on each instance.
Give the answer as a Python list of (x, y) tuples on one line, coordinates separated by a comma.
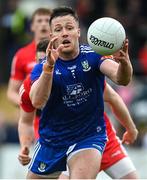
[(79, 150), (37, 148)]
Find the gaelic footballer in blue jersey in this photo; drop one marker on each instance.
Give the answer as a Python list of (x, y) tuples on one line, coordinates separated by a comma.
[(68, 86)]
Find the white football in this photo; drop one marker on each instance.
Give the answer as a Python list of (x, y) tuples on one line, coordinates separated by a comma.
[(106, 36)]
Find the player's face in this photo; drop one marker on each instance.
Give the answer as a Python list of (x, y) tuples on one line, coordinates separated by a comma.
[(68, 32), (40, 26)]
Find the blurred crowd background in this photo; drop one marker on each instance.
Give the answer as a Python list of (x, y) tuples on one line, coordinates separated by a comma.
[(15, 32)]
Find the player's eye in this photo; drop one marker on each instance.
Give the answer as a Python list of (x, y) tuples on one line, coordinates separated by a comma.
[(47, 20), (39, 20), (57, 29), (70, 28)]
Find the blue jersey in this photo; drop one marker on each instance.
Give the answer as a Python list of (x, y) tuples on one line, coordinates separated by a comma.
[(74, 110)]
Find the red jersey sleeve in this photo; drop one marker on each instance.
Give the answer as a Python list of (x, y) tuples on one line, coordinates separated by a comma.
[(17, 71), (25, 101)]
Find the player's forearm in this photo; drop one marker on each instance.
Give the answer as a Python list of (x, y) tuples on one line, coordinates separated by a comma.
[(122, 114), (13, 97), (26, 134), (13, 91), (119, 73), (124, 73), (41, 89)]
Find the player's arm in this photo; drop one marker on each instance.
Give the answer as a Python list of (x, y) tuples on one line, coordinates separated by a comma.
[(13, 91), (122, 114), (25, 128), (41, 88), (25, 123), (16, 79), (120, 73), (26, 135)]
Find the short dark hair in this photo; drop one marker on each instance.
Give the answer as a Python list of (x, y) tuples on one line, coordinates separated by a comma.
[(41, 11), (63, 11), (42, 45)]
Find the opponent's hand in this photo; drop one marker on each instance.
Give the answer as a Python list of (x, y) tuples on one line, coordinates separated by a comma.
[(130, 136), (23, 157), (52, 53), (122, 55)]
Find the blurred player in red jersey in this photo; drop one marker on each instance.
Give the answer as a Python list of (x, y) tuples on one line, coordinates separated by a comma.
[(115, 161), (25, 58), (40, 54)]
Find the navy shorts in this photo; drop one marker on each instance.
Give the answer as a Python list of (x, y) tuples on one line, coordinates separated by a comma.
[(48, 159)]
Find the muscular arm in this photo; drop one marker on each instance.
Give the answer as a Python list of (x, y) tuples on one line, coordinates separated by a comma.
[(40, 90), (120, 110), (16, 79), (25, 128), (13, 91), (26, 135), (120, 73)]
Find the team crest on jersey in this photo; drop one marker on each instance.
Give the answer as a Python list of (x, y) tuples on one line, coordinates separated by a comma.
[(42, 167), (85, 66)]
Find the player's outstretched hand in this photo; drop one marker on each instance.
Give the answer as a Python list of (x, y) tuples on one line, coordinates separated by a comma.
[(130, 136), (23, 157), (122, 55), (52, 53)]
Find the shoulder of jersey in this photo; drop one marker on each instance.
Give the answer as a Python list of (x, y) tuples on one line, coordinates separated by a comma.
[(86, 49)]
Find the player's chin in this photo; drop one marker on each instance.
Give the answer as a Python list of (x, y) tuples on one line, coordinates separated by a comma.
[(67, 49), (44, 35)]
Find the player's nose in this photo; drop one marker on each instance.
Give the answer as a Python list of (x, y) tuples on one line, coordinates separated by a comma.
[(64, 32)]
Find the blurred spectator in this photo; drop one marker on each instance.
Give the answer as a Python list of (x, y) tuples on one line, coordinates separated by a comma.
[(142, 57), (13, 33), (145, 141), (89, 10), (2, 128)]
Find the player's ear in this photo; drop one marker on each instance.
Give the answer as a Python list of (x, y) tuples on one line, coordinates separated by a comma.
[(79, 32), (32, 27)]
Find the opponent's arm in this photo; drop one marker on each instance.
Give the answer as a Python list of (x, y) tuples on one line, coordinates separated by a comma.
[(26, 135), (13, 91), (122, 114), (120, 73), (17, 76)]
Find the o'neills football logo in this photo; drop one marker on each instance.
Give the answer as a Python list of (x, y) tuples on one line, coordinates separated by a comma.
[(102, 43), (42, 167)]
